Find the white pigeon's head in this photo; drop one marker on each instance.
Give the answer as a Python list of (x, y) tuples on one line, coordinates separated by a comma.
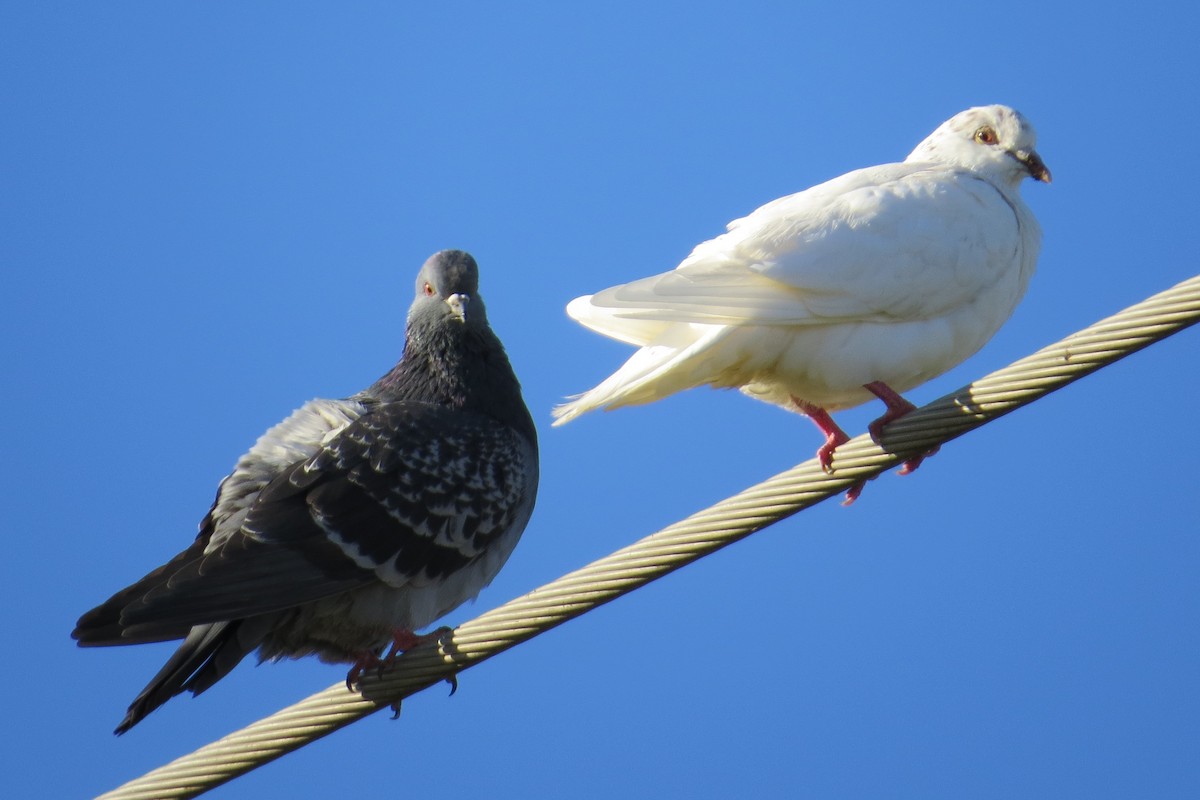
[(995, 141)]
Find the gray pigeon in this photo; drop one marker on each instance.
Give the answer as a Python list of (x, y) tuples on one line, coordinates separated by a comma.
[(353, 522)]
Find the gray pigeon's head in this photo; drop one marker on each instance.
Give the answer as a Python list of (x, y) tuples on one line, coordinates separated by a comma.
[(451, 354), (994, 141), (448, 289)]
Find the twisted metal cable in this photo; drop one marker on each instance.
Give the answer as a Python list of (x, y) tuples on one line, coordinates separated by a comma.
[(676, 546)]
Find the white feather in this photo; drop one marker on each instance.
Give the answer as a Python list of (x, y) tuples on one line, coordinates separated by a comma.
[(893, 273)]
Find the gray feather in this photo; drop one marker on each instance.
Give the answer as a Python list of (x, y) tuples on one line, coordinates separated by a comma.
[(351, 519)]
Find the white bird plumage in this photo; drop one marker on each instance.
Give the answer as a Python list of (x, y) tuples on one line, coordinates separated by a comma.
[(884, 277)]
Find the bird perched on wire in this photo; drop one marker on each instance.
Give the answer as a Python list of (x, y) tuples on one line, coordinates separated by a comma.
[(864, 286), (352, 523)]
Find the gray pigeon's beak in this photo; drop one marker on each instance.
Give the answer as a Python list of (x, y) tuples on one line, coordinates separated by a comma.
[(458, 304), (1033, 162)]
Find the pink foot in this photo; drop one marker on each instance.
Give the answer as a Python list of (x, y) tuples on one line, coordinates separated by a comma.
[(853, 492), (835, 437), (897, 407), (403, 640), (365, 661)]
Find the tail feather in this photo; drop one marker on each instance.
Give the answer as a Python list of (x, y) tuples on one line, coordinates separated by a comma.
[(208, 653), (608, 321), (652, 373)]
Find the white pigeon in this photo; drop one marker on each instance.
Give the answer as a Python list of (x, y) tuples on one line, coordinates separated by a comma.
[(866, 285)]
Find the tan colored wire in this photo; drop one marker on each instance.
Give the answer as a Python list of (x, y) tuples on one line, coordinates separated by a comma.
[(675, 546)]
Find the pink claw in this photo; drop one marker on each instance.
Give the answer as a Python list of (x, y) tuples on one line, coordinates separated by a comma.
[(835, 437), (897, 407)]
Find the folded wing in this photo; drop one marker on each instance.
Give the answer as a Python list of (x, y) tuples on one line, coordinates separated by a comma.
[(856, 249)]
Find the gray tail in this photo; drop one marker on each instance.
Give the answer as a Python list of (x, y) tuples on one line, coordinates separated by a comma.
[(208, 653)]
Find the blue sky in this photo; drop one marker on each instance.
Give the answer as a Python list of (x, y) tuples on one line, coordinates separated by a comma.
[(214, 212)]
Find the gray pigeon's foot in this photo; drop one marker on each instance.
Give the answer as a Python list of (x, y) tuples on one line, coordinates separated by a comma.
[(404, 640), (452, 680), (365, 661)]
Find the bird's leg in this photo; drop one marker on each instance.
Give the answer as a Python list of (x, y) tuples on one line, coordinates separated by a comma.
[(834, 436), (853, 492), (897, 407), (404, 640), (365, 660)]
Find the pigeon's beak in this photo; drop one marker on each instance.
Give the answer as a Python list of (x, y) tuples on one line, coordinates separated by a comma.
[(458, 305), (1033, 162)]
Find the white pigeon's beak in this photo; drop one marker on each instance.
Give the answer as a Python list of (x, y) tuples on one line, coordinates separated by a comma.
[(1033, 162), (458, 305)]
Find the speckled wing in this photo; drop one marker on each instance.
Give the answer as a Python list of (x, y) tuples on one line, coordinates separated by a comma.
[(406, 494)]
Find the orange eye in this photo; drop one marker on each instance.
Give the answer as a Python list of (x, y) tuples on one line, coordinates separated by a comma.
[(428, 289), (986, 135)]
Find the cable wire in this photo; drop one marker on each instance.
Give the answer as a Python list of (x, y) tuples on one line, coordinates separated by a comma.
[(675, 546)]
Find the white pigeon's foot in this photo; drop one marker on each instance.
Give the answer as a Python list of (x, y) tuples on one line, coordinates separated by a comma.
[(834, 435), (897, 407)]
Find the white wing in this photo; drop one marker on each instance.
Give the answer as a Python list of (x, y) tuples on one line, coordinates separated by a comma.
[(895, 243)]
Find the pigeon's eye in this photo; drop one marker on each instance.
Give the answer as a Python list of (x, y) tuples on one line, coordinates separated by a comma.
[(986, 135), (428, 289)]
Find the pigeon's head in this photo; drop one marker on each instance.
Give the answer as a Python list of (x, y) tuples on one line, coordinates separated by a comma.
[(995, 141), (448, 290)]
